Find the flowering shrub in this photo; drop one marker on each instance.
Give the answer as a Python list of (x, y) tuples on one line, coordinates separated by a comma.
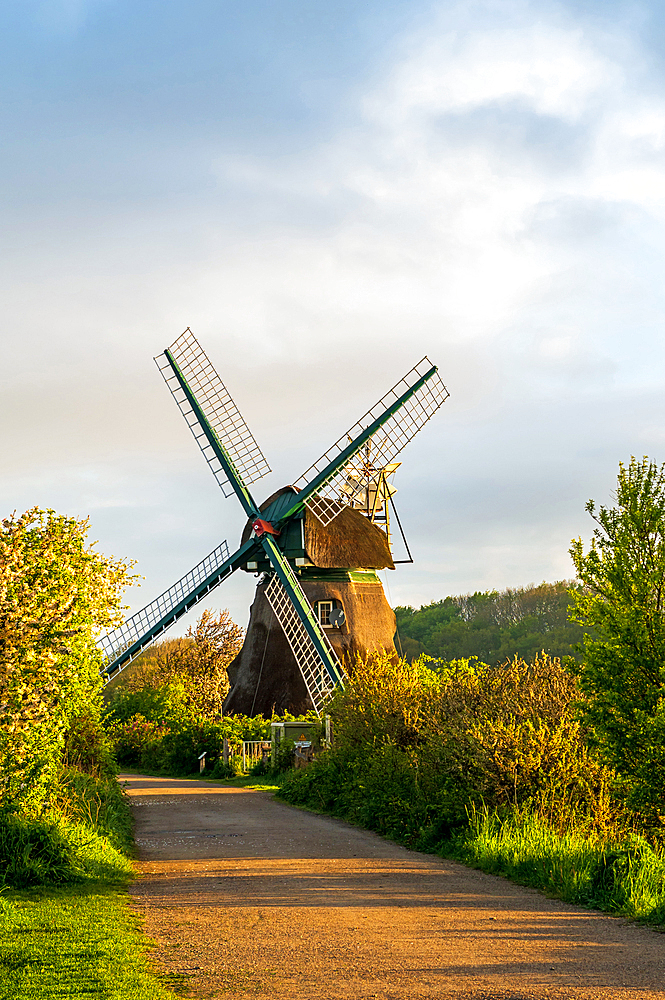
[(56, 593)]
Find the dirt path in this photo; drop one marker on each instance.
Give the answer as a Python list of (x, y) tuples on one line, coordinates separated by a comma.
[(251, 898)]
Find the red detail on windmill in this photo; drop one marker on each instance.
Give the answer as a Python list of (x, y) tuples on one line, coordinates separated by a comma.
[(263, 528)]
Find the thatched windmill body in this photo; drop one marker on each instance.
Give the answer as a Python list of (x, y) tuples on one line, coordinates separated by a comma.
[(337, 567), (316, 545)]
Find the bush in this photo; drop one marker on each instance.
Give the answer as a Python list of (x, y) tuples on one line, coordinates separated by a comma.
[(179, 749), (416, 748), (87, 746), (35, 852), (81, 838), (132, 739), (260, 768), (284, 756), (97, 803), (222, 770)]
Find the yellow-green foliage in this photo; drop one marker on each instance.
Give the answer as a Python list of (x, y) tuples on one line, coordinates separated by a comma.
[(55, 593), (415, 747), (515, 730)]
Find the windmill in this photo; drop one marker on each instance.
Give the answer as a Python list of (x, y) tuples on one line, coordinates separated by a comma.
[(332, 521)]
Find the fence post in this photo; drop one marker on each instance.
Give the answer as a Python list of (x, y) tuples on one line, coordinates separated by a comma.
[(225, 751)]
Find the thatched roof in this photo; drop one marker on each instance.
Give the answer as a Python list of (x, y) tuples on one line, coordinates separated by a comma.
[(350, 541)]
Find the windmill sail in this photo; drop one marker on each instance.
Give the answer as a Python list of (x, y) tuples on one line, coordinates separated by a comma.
[(316, 659), (389, 425), (187, 359), (122, 644), (318, 682)]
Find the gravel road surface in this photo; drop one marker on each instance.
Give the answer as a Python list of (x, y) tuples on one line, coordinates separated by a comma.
[(247, 897)]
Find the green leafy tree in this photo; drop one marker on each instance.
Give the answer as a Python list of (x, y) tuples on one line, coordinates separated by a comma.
[(622, 605), (56, 594), (184, 675)]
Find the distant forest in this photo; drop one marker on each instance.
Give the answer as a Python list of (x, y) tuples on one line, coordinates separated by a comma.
[(493, 625)]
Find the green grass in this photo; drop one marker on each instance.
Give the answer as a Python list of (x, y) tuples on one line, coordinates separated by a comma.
[(75, 941), (625, 877), (57, 850), (66, 929)]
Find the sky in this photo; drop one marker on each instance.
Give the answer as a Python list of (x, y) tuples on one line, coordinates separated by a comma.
[(324, 194)]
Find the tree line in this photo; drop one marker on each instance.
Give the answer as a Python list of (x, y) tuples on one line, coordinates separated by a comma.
[(493, 625)]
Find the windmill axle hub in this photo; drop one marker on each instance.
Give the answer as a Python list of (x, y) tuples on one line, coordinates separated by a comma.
[(261, 528)]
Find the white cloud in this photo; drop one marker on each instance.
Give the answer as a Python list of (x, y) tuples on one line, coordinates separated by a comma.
[(490, 172), (554, 70)]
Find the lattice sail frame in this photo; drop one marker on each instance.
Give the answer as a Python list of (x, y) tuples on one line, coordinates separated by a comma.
[(334, 494), (119, 639), (312, 668), (365, 485), (219, 409)]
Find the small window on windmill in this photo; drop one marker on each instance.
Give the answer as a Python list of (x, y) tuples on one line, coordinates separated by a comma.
[(325, 610)]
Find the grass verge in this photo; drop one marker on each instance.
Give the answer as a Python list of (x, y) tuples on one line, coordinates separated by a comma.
[(66, 929), (74, 941), (626, 877), (85, 836), (56, 850)]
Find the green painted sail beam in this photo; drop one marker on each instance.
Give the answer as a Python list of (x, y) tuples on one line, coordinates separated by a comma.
[(290, 582), (333, 467), (232, 474), (244, 554)]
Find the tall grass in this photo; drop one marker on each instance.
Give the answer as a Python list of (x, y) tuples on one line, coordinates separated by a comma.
[(85, 836), (55, 851), (625, 877), (97, 802)]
